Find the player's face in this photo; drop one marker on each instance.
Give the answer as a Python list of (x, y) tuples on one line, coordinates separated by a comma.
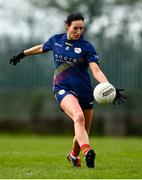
[(75, 30)]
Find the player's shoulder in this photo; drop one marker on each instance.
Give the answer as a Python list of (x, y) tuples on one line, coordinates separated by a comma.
[(87, 44), (58, 36)]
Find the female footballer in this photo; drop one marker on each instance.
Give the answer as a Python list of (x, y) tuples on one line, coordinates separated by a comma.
[(71, 84)]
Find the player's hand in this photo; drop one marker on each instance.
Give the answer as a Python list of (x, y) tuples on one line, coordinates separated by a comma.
[(16, 59), (119, 98)]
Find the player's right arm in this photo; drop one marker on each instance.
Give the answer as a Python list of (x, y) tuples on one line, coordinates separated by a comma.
[(39, 49), (28, 52), (34, 50)]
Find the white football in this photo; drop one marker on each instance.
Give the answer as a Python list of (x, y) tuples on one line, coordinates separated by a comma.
[(104, 93)]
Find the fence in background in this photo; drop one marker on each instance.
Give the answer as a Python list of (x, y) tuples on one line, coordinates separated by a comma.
[(27, 101)]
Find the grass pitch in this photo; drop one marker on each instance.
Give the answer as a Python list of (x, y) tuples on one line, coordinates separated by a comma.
[(43, 157)]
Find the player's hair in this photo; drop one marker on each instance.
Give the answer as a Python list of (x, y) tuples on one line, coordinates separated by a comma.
[(74, 17)]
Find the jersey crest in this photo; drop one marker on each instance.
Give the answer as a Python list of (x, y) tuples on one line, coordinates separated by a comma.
[(77, 50)]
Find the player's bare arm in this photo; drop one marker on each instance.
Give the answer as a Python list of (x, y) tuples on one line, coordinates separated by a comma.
[(34, 50), (28, 52), (97, 73)]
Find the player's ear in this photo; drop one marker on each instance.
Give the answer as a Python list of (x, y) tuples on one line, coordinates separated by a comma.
[(66, 26)]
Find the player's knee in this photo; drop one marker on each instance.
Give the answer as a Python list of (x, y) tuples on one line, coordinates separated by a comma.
[(79, 119)]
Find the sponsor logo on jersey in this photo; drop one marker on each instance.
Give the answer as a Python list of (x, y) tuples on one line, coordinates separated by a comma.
[(57, 44), (61, 58), (77, 50), (68, 44), (67, 48)]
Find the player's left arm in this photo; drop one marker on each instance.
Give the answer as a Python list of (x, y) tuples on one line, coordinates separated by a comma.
[(100, 77), (97, 73)]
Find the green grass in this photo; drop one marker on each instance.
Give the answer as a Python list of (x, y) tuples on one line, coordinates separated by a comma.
[(43, 157)]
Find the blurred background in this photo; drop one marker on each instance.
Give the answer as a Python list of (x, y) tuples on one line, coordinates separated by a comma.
[(27, 104)]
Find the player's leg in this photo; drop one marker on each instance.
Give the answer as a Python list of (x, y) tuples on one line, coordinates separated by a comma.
[(90, 155), (87, 151), (71, 107), (88, 114), (75, 147)]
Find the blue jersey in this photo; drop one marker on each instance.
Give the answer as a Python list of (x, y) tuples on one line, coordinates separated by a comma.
[(71, 59)]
